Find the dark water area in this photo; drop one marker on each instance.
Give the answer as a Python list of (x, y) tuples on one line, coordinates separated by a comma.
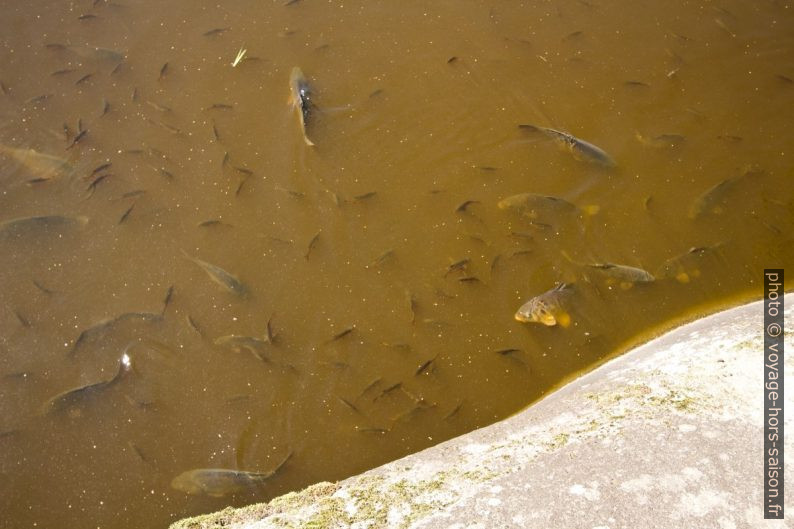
[(186, 284)]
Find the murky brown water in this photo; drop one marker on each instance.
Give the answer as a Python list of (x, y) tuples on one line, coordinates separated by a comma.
[(418, 104)]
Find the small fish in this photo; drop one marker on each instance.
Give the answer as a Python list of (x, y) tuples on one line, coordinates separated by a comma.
[(372, 429), (42, 165), (300, 97), (365, 196), (427, 366), (458, 266), (71, 396), (219, 482), (581, 150), (509, 351), (84, 78), (211, 222), (452, 59), (271, 336), (158, 107), (638, 84), (194, 325), (61, 72), (38, 99), (80, 135), (220, 276), (215, 31), (465, 205), (370, 386), (342, 334), (105, 107), (22, 319), (712, 201), (163, 71), (453, 412), (348, 404), (168, 296), (93, 185), (312, 244), (87, 16), (388, 255), (724, 27), (661, 141), (99, 169), (219, 106), (388, 390), (126, 214), (166, 126), (41, 287), (25, 226), (546, 308), (250, 343)]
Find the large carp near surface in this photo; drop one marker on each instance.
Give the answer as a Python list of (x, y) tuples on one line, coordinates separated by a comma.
[(287, 313)]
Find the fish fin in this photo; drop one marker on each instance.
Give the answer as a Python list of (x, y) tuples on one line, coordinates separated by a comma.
[(591, 209), (564, 320)]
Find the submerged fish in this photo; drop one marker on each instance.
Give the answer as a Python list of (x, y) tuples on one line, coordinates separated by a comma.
[(626, 275), (687, 266), (97, 53), (44, 166), (545, 207), (712, 200), (221, 276), (66, 398), (581, 150), (546, 308), (623, 273), (300, 97), (21, 226), (250, 343), (660, 141), (103, 326), (218, 482)]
